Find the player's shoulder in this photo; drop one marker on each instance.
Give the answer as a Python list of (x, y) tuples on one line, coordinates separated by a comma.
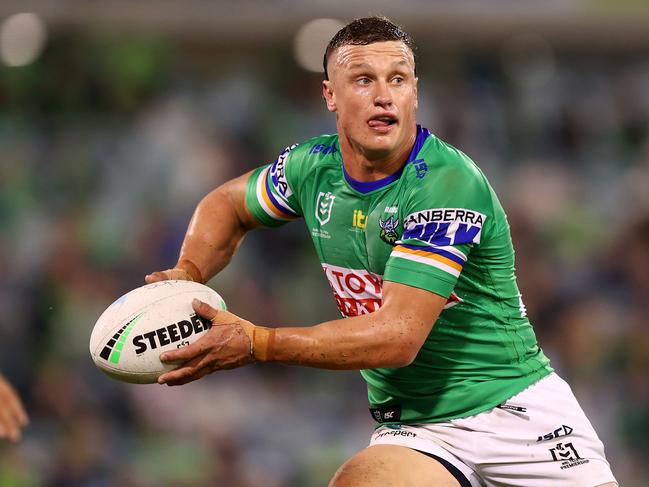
[(296, 162), (443, 184), (439, 166), (314, 149), (299, 159), (446, 159)]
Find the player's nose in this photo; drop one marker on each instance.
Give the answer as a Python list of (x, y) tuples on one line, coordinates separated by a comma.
[(382, 96)]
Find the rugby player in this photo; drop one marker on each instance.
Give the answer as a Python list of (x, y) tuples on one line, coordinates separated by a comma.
[(417, 250), (12, 413)]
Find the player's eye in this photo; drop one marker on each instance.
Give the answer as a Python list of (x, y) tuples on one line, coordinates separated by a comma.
[(397, 80), (364, 80)]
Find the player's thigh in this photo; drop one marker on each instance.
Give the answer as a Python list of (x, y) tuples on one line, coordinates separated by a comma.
[(392, 466)]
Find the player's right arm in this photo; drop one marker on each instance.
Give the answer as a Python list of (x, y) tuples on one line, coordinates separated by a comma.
[(215, 231)]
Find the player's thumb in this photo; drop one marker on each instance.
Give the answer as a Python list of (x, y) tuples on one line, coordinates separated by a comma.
[(220, 317), (203, 309), (155, 277)]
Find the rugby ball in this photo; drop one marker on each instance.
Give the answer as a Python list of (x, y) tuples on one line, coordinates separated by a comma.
[(128, 338)]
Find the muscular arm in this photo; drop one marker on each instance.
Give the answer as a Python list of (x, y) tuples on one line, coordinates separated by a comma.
[(389, 337), (215, 231)]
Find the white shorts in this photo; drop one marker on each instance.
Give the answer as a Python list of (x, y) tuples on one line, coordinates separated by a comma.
[(538, 438)]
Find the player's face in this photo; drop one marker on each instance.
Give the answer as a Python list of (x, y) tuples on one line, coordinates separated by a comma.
[(373, 91)]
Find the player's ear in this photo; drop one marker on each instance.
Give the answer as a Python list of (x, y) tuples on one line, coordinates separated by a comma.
[(328, 95)]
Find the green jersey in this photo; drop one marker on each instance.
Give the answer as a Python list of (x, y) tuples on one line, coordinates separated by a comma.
[(435, 224)]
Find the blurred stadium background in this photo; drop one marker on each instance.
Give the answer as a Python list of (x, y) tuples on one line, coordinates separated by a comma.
[(116, 117)]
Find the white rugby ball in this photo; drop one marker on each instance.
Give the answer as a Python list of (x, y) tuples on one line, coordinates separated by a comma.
[(130, 335)]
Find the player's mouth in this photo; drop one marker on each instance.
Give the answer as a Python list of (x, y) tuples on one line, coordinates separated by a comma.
[(382, 123)]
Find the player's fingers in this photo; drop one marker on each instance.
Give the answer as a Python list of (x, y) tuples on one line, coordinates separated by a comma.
[(176, 375), (182, 372), (169, 274), (22, 415), (185, 354), (16, 410), (198, 373), (11, 404), (8, 427), (216, 316), (200, 346), (204, 309), (156, 277), (190, 378)]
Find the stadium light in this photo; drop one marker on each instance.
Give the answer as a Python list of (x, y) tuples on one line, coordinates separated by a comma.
[(311, 40), (22, 37)]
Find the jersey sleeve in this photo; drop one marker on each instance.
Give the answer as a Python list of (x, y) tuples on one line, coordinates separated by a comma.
[(270, 194), (444, 219)]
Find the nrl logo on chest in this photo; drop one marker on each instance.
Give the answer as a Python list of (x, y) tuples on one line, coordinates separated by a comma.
[(323, 206)]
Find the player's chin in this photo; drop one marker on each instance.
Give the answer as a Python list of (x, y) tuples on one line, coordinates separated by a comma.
[(381, 143)]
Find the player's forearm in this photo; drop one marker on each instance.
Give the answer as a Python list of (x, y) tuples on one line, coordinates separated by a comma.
[(215, 231), (360, 342)]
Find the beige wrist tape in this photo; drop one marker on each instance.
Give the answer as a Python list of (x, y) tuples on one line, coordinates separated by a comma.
[(191, 269), (263, 343)]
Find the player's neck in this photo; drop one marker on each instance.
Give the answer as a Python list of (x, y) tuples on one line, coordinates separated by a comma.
[(366, 166)]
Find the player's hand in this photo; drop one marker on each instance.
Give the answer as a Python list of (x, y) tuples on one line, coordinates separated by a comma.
[(12, 412), (169, 274), (226, 345)]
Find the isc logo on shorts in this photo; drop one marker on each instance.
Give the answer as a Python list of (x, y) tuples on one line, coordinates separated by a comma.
[(389, 414), (564, 430), (444, 226)]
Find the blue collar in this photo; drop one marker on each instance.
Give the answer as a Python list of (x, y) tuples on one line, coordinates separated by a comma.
[(368, 186)]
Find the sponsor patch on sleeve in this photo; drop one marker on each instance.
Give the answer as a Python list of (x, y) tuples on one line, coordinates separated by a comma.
[(438, 232), (277, 174), (273, 190), (444, 226)]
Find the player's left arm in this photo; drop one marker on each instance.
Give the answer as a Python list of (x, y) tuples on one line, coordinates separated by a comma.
[(389, 337)]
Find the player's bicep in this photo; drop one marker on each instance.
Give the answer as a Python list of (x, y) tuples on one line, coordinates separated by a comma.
[(236, 191), (413, 310)]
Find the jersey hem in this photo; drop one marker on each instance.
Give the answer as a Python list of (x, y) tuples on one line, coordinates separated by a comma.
[(537, 375)]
